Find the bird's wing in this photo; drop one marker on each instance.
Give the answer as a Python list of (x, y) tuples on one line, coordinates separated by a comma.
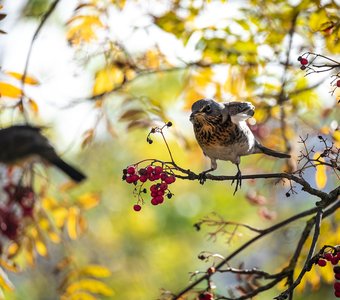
[(237, 111)]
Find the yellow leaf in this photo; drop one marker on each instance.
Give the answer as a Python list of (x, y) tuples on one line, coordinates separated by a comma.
[(33, 105), (41, 247), (9, 90), (91, 286), (81, 296), (320, 174), (9, 265), (5, 283), (60, 216), (95, 271), (28, 79), (107, 79), (13, 250), (72, 218), (88, 200), (49, 203), (82, 224), (54, 237)]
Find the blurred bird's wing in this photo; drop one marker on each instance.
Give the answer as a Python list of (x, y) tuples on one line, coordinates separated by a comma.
[(237, 111)]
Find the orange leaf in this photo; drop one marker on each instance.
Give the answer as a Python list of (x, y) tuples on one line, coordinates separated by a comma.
[(8, 90), (28, 79)]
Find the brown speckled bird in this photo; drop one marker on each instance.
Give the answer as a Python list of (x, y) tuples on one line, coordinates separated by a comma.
[(22, 142), (222, 132)]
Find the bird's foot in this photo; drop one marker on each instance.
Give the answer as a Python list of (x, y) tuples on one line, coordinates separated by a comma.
[(202, 177), (238, 178)]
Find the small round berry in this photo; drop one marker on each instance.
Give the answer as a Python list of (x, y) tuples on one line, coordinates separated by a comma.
[(338, 255), (159, 199), (137, 207), (299, 58), (169, 124), (163, 176), (163, 186), (334, 261), (156, 176), (158, 170), (328, 256), (124, 171), (142, 171), (322, 262), (131, 170), (134, 178), (154, 194), (303, 68), (169, 195), (337, 276), (143, 178), (154, 201), (154, 188), (337, 286), (336, 270), (338, 83), (287, 194), (337, 294), (304, 61), (129, 179), (211, 270)]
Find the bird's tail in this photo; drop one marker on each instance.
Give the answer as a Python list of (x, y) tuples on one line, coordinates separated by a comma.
[(271, 152), (69, 170)]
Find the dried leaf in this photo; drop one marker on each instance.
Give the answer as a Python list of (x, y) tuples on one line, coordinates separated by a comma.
[(33, 105), (132, 114)]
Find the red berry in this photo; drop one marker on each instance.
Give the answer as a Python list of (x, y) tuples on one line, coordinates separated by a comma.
[(131, 170), (337, 286), (137, 207), (304, 61), (338, 255), (336, 269), (337, 276), (303, 68), (149, 169), (158, 170), (151, 177), (338, 83), (134, 178), (328, 256), (154, 188), (156, 176), (163, 186), (129, 179), (334, 261), (159, 199), (337, 294), (154, 194), (163, 176), (142, 172), (154, 201), (322, 262), (143, 178)]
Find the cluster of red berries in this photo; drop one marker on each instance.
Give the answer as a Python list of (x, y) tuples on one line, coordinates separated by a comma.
[(152, 173), (303, 61), (334, 258), (206, 296), (20, 204)]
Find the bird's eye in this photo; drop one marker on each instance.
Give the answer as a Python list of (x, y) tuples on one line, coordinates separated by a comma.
[(207, 109)]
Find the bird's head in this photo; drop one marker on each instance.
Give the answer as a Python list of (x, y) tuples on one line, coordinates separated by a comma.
[(206, 110)]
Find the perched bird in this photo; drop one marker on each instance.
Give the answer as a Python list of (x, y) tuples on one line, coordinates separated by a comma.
[(21, 142), (222, 133)]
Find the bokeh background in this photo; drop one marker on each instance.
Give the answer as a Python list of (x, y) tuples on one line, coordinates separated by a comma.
[(171, 53)]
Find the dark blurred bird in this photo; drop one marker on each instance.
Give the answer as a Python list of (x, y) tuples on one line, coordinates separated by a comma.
[(22, 142), (222, 133)]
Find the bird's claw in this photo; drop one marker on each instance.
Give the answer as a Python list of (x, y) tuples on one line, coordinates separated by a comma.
[(202, 177), (238, 178)]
